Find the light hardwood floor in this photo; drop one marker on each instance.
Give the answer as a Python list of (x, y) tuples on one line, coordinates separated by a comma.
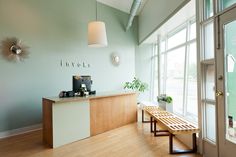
[(132, 140)]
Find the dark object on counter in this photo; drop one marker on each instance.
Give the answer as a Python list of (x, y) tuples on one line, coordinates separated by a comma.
[(65, 94), (92, 92), (81, 87), (70, 93)]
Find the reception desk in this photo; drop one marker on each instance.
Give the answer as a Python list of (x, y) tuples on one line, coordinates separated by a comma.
[(66, 120)]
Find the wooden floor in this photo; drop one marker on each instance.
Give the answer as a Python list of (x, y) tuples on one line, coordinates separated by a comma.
[(133, 140)]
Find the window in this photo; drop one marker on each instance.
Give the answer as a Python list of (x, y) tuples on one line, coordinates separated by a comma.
[(208, 41), (154, 77), (175, 77), (178, 69), (162, 74), (209, 101), (177, 39), (226, 3), (208, 8), (193, 31), (210, 82), (210, 119), (191, 90), (208, 74)]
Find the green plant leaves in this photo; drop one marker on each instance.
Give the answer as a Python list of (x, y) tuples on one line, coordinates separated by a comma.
[(167, 99), (136, 85)]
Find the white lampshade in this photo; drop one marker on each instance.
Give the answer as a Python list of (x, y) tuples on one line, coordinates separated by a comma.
[(97, 36)]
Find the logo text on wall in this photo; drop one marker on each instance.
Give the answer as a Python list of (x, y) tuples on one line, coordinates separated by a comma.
[(74, 64)]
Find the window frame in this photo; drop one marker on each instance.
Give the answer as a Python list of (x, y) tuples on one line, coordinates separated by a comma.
[(186, 25), (204, 62)]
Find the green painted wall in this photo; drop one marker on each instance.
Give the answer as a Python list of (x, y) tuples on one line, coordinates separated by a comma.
[(143, 68), (55, 30)]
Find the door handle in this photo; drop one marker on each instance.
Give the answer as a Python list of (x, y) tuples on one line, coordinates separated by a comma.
[(219, 93)]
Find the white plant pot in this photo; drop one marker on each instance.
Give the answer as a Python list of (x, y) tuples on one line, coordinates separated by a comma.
[(162, 104), (166, 106), (169, 107)]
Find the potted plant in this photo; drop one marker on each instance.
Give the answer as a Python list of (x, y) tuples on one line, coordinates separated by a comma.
[(136, 85), (165, 102)]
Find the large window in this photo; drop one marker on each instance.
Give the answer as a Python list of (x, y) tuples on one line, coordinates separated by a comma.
[(178, 69)]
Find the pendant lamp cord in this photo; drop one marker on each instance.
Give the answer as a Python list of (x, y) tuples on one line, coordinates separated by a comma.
[(96, 10)]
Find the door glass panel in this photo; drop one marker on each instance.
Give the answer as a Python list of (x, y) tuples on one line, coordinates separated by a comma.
[(227, 3), (208, 41), (210, 121), (230, 99), (175, 77), (210, 82), (208, 8)]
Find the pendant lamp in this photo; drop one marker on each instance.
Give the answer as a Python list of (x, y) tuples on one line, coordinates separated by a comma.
[(97, 36)]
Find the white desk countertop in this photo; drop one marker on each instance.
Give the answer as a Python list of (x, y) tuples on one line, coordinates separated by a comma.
[(97, 95)]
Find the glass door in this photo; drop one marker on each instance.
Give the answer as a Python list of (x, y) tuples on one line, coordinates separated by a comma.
[(226, 83)]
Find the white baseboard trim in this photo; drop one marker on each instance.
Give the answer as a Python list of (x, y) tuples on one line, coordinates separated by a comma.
[(19, 131)]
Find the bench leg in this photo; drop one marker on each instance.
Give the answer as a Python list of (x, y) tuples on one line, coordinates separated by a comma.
[(194, 138), (159, 132), (193, 150), (171, 143), (143, 121), (151, 124)]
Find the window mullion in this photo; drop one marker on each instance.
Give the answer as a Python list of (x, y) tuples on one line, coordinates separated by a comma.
[(165, 65), (186, 70), (152, 72), (159, 65)]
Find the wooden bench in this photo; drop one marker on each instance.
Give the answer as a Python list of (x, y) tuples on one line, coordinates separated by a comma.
[(174, 125), (144, 105)]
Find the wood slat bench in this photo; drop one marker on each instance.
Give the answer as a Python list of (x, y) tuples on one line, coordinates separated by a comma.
[(146, 105), (174, 125)]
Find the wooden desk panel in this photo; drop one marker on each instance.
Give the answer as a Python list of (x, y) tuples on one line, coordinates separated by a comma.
[(112, 112), (47, 123)]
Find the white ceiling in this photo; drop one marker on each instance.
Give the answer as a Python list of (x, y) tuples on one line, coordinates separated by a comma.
[(123, 5)]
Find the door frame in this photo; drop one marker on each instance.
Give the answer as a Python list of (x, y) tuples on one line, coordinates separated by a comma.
[(220, 20)]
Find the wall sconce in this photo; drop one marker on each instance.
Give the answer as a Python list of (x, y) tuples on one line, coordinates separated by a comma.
[(13, 49), (16, 49), (115, 59)]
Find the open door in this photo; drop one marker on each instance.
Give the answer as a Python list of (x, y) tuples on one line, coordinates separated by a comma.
[(226, 83)]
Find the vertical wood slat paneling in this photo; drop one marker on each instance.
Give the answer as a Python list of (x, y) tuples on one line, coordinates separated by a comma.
[(112, 112)]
